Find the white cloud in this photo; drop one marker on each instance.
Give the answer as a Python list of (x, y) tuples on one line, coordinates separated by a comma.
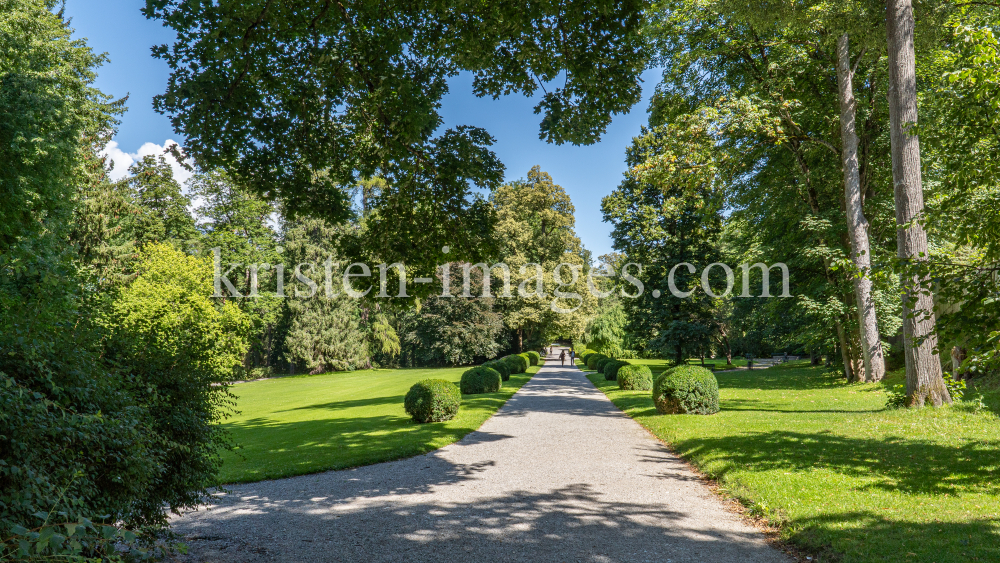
[(122, 160)]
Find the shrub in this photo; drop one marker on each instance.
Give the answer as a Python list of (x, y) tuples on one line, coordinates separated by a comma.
[(611, 368), (481, 380), (635, 378), (527, 360), (592, 360), (534, 357), (686, 390), (518, 363), (501, 367), (432, 400), (599, 364)]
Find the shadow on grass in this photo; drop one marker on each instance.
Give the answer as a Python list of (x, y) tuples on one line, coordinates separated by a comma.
[(864, 536), (898, 464), (339, 405)]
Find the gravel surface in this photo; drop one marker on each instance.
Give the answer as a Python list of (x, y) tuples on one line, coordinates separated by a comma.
[(558, 474)]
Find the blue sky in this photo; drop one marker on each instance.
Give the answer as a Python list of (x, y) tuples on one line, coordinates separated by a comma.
[(586, 173)]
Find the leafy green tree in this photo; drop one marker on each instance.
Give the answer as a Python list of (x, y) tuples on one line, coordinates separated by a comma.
[(606, 332), (164, 213), (298, 101), (47, 104), (452, 330), (325, 330), (535, 226), (180, 350), (238, 223), (663, 216)]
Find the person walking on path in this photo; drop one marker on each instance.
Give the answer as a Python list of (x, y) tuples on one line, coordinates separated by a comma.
[(562, 357), (572, 357)]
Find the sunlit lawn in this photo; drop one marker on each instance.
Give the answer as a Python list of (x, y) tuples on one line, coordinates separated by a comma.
[(843, 476), (305, 424)]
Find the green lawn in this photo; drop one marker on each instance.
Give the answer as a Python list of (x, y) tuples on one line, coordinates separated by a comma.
[(843, 477), (305, 424)]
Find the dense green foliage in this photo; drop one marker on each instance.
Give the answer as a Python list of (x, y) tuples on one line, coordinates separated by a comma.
[(635, 378), (686, 390), (534, 357), (500, 366), (599, 364), (481, 379), (432, 400), (611, 368), (842, 477), (517, 363), (324, 332), (592, 360), (358, 89)]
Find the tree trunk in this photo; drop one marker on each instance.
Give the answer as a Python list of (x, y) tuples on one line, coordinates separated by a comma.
[(679, 351), (520, 340), (845, 356), (857, 224), (923, 370)]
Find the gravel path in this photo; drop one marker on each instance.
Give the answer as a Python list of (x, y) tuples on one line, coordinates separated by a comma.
[(558, 474)]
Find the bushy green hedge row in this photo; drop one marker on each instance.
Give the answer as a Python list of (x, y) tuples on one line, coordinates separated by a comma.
[(534, 357), (501, 366), (635, 378), (686, 390), (432, 400), (480, 379), (611, 368)]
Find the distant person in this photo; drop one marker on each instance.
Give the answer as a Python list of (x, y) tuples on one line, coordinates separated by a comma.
[(572, 357), (562, 357)]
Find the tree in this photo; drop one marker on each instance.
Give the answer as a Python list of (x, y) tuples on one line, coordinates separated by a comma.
[(535, 226), (47, 105), (452, 329), (238, 223), (664, 214), (325, 332), (923, 370), (299, 100), (164, 213), (857, 224)]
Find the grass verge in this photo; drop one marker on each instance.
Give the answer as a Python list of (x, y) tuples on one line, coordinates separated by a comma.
[(841, 476), (306, 424)]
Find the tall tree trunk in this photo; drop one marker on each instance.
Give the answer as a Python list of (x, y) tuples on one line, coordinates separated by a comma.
[(845, 356), (923, 370), (857, 224)]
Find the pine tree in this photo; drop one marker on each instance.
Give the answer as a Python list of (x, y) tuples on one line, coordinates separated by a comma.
[(165, 216), (325, 331)]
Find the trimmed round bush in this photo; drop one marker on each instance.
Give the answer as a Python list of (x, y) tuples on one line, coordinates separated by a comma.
[(534, 357), (592, 361), (635, 378), (501, 367), (686, 390), (527, 360), (611, 368), (586, 354), (517, 363), (432, 400), (599, 364), (481, 379)]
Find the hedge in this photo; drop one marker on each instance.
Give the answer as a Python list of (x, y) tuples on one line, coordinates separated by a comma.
[(481, 379), (635, 378), (599, 364), (517, 363), (501, 366), (686, 390), (432, 400), (527, 360), (592, 361), (534, 357), (611, 368)]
